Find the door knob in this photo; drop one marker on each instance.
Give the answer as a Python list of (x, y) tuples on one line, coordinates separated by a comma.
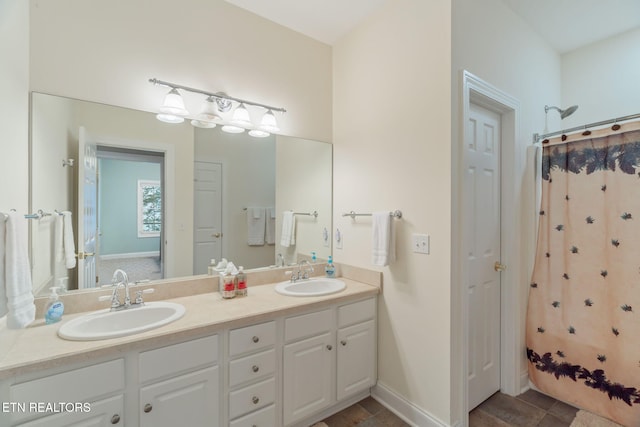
[(83, 255), (216, 235), (499, 267)]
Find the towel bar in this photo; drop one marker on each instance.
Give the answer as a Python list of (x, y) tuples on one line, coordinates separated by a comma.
[(353, 215)]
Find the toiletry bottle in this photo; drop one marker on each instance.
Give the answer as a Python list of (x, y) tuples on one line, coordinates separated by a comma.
[(54, 308), (228, 287), (330, 269), (241, 285), (313, 257), (211, 269)]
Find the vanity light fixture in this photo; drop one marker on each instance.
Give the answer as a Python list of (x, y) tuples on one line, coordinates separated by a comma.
[(173, 110)]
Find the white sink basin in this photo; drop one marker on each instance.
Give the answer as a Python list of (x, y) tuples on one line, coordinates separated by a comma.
[(106, 324), (311, 287)]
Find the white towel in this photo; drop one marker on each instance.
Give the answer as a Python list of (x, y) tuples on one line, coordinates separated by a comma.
[(255, 226), (383, 239), (271, 226), (288, 237), (69, 245), (18, 295)]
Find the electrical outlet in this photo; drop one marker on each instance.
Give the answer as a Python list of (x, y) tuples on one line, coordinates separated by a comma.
[(420, 243)]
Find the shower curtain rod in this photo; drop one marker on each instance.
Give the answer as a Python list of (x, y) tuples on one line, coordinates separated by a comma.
[(537, 137)]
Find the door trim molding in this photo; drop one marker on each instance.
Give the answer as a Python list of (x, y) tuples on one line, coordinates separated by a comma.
[(475, 90)]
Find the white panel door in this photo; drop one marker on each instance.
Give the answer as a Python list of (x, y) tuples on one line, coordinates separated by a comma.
[(207, 215), (87, 210), (482, 248)]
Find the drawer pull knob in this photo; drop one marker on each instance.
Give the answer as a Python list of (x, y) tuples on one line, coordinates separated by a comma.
[(343, 342), (255, 400), (255, 339), (255, 368), (148, 408), (329, 347), (115, 419)]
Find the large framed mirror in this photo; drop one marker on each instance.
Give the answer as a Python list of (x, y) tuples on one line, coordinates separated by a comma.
[(164, 199)]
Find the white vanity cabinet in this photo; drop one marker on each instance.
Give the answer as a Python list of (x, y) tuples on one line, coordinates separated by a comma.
[(252, 370), (180, 385), (329, 356), (101, 386)]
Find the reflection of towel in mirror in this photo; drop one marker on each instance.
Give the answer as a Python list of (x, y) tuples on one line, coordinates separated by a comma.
[(255, 226), (383, 239), (271, 226), (16, 296), (69, 245), (288, 237)]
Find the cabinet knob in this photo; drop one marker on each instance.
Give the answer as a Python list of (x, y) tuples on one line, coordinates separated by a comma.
[(343, 342), (255, 368), (115, 419), (255, 400), (329, 347), (255, 339), (148, 408)]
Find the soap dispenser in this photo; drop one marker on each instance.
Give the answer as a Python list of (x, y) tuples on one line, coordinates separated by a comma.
[(330, 269), (54, 308)]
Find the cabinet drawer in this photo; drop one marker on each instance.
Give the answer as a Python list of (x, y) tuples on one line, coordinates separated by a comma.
[(263, 418), (79, 385), (251, 398), (178, 357), (252, 367), (356, 312), (252, 338), (308, 325)]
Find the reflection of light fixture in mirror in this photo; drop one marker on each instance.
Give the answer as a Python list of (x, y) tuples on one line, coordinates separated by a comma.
[(257, 133), (268, 123), (232, 129), (208, 117), (241, 116)]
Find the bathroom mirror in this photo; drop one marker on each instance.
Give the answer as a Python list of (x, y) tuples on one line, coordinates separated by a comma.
[(167, 197)]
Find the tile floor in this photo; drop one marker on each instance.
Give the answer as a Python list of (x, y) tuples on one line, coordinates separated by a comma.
[(366, 413), (530, 409)]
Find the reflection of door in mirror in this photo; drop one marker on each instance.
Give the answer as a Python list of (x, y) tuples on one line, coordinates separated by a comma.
[(130, 213), (87, 209), (207, 223)]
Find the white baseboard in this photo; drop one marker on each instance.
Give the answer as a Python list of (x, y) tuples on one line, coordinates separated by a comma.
[(131, 255), (404, 409), (524, 381)]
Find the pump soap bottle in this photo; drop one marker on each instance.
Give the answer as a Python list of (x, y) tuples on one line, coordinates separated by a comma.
[(330, 269), (54, 308)]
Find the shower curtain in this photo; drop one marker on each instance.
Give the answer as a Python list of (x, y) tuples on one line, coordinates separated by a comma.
[(583, 317)]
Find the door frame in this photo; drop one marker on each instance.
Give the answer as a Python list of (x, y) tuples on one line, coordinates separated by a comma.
[(477, 91)]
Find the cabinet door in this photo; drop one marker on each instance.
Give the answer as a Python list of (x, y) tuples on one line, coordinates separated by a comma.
[(103, 413), (187, 400), (356, 358), (309, 372)]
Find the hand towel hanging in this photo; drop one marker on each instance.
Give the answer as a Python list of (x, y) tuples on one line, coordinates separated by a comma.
[(383, 239), (255, 226)]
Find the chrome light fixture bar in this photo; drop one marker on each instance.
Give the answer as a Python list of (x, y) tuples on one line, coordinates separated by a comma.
[(174, 111)]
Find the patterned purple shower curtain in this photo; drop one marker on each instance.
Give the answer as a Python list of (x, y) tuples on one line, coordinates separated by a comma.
[(583, 318)]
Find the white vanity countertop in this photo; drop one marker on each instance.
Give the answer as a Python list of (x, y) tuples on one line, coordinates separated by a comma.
[(39, 347)]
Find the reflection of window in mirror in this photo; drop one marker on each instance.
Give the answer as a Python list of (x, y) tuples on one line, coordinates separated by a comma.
[(149, 208)]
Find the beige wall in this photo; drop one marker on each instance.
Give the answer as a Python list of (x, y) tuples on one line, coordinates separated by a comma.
[(14, 105), (106, 51), (602, 78), (392, 132)]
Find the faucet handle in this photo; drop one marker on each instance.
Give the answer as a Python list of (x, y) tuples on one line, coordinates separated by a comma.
[(139, 295)]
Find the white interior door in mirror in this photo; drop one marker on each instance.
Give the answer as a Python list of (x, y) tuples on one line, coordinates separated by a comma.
[(207, 215), (87, 210)]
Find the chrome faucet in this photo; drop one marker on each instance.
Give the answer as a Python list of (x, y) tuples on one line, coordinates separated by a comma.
[(304, 268), (115, 302)]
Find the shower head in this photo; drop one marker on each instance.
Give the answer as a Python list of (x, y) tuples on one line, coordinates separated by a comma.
[(563, 113)]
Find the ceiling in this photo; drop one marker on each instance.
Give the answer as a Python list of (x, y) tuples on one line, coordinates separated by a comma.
[(564, 24)]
